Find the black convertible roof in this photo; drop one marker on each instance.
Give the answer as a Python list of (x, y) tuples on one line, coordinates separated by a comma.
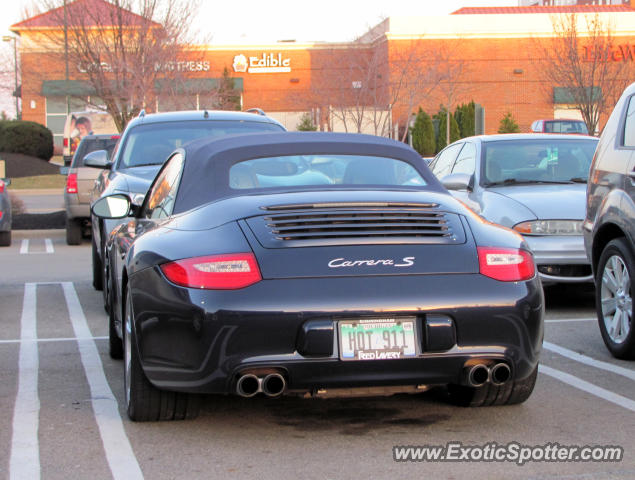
[(207, 161)]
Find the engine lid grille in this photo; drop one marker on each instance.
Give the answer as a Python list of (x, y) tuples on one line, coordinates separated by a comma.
[(342, 226)]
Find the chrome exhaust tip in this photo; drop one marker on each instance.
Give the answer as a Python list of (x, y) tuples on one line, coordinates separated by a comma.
[(478, 375), (273, 385), (500, 373), (248, 385)]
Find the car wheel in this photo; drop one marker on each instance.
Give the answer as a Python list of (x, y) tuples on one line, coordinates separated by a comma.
[(510, 393), (145, 402), (614, 298), (73, 231), (97, 269), (5, 239)]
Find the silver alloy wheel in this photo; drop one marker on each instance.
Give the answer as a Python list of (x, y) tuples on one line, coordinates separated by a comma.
[(617, 304), (127, 331)]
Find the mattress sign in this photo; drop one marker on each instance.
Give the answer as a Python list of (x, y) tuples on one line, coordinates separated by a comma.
[(377, 339)]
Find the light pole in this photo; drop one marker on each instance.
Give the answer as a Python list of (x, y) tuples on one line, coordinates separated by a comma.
[(9, 38)]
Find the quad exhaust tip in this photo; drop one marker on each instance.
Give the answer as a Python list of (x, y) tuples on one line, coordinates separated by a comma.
[(272, 385), (479, 374)]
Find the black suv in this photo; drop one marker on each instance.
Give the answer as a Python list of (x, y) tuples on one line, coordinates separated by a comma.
[(609, 227), (145, 144)]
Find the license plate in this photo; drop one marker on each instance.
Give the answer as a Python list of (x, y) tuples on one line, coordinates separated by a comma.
[(377, 339)]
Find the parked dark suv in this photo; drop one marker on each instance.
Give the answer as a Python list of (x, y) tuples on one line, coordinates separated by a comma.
[(609, 227), (145, 144)]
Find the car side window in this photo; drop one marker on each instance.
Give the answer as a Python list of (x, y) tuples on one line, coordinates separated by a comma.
[(161, 197), (466, 162), (629, 124), (445, 161)]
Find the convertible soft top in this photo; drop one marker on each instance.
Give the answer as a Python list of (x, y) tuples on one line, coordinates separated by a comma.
[(207, 161)]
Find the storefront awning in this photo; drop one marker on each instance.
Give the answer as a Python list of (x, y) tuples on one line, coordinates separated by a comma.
[(193, 86), (61, 88), (565, 95)]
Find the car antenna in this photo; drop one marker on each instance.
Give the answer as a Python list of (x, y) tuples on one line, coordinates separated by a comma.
[(142, 113), (206, 114)]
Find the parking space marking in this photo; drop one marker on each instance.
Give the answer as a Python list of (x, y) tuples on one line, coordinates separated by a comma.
[(588, 387), (24, 247), (578, 357), (121, 459), (44, 340), (25, 450), (567, 320)]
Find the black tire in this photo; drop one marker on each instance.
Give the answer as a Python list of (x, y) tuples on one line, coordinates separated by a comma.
[(613, 298), (97, 269), (115, 343), (5, 239), (73, 231), (510, 393), (145, 402)]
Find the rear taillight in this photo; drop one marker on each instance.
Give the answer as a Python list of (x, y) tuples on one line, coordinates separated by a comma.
[(2, 185), (215, 272), (65, 142), (506, 264), (71, 183), (1, 214)]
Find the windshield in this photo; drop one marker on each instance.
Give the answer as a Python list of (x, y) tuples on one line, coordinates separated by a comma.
[(151, 144), (309, 170), (536, 161), (566, 126)]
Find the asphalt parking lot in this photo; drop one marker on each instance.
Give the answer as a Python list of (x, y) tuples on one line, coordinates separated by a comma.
[(64, 418)]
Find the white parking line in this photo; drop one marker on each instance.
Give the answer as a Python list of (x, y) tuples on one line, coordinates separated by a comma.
[(121, 459), (25, 449), (24, 247), (568, 320), (588, 387), (44, 340), (578, 357)]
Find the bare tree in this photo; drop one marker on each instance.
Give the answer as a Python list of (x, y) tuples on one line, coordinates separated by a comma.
[(587, 61), (129, 51)]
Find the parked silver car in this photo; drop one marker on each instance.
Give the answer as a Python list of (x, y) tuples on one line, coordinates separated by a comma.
[(532, 183), (5, 213), (609, 227)]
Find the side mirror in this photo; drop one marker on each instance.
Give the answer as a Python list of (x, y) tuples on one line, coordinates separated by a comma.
[(458, 181), (112, 206), (7, 181), (64, 170), (97, 159)]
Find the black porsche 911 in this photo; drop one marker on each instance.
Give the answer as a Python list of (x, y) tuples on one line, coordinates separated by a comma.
[(314, 263)]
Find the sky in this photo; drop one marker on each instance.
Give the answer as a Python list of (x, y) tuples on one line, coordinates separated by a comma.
[(258, 21)]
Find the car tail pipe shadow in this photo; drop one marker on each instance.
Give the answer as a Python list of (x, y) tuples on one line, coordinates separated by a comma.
[(272, 384), (478, 374)]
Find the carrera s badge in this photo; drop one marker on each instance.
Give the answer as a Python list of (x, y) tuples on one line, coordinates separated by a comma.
[(389, 262)]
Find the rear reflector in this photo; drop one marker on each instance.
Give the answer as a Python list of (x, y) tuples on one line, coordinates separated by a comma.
[(215, 272), (506, 264), (71, 183)]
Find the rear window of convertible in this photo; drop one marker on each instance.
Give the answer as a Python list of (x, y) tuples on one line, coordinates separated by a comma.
[(312, 170)]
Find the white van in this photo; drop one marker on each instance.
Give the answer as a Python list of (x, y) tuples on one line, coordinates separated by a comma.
[(80, 124)]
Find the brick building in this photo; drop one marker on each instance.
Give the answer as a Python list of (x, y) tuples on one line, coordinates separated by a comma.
[(489, 55)]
